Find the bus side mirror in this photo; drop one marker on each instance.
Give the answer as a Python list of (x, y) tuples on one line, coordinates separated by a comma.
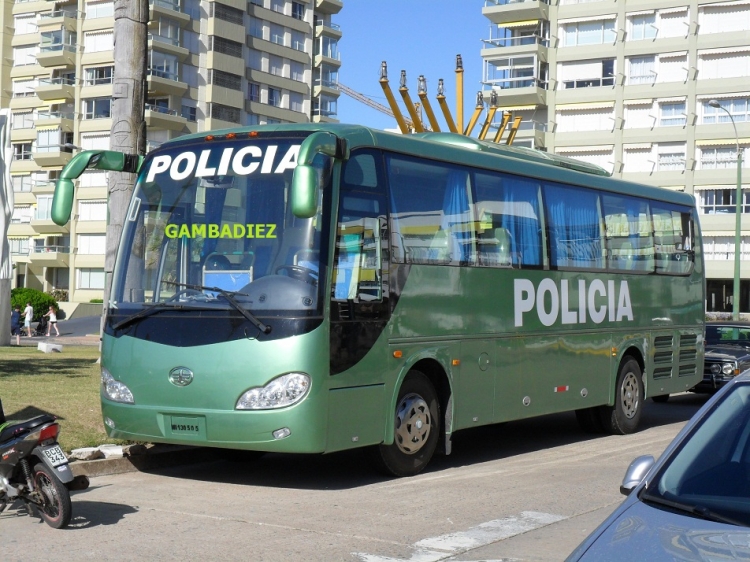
[(305, 179), (62, 202)]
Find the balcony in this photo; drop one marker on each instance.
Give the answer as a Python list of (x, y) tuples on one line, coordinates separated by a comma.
[(54, 155), (326, 87), (55, 88), (328, 29), (56, 55), (55, 119), (507, 11), (169, 8), (58, 19), (167, 45), (328, 6), (164, 118), (162, 82), (42, 224), (518, 91), (50, 256)]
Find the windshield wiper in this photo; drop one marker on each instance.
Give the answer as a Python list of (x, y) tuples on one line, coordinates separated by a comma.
[(697, 510), (153, 309), (228, 296)]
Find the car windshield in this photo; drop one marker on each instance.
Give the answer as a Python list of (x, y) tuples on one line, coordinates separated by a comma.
[(210, 227), (710, 472), (727, 334)]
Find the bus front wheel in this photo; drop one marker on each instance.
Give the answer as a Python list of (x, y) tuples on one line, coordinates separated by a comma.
[(623, 417), (416, 429)]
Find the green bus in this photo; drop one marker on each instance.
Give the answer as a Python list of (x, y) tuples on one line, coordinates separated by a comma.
[(315, 288)]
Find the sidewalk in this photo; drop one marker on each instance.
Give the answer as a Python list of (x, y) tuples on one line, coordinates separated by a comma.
[(62, 339)]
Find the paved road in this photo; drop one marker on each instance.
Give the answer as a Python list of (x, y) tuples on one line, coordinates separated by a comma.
[(528, 490), (76, 331)]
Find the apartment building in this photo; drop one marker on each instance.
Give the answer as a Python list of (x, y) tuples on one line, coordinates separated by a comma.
[(631, 85), (211, 64)]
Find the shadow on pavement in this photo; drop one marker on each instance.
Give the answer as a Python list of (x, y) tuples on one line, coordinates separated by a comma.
[(351, 469)]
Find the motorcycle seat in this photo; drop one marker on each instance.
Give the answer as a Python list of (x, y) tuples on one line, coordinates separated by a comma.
[(13, 429)]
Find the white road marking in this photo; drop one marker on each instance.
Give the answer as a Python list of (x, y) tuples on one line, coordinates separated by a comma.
[(439, 548)]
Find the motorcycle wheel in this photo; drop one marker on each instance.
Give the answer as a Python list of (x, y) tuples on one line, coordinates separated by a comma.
[(56, 508)]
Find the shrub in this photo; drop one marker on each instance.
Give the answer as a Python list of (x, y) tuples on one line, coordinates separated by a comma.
[(96, 301), (59, 294), (39, 300)]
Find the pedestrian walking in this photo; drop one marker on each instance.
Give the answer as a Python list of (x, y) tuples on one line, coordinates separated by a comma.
[(15, 323), (28, 316), (52, 321)]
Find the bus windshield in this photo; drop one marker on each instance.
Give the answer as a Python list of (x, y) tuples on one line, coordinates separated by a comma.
[(209, 227)]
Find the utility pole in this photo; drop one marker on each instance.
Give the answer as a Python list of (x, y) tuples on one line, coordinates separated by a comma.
[(128, 124)]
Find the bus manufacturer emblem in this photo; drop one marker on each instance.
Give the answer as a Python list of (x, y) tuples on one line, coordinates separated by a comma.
[(180, 376)]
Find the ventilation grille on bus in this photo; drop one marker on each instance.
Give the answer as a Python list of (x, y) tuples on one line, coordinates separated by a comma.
[(688, 354), (663, 356)]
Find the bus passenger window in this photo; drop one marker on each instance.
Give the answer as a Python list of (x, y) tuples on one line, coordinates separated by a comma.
[(574, 227), (673, 240), (629, 242), (508, 229)]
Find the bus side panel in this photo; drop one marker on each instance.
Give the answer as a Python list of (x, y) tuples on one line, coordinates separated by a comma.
[(355, 417), (546, 373)]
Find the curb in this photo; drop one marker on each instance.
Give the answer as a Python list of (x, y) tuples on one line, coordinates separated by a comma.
[(155, 457)]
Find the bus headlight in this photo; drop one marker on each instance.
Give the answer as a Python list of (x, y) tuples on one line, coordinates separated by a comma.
[(280, 392), (115, 390)]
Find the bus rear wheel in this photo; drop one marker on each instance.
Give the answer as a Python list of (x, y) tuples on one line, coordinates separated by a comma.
[(623, 417), (416, 429)]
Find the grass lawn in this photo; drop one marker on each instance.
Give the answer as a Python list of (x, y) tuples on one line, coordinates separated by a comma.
[(64, 384)]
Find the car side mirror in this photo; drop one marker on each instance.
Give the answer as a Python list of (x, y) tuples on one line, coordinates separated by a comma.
[(635, 473)]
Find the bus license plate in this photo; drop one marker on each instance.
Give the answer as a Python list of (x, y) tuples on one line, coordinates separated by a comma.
[(55, 455), (188, 426)]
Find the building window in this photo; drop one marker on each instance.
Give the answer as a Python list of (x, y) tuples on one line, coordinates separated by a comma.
[(642, 26), (25, 23), (224, 112), (43, 207), (23, 120), (722, 201), (298, 71), (253, 92), (717, 65), (227, 13), (739, 109), (274, 97), (21, 184), (278, 35), (298, 40), (90, 278), (97, 108), (670, 157), (98, 75), (225, 46), (298, 11), (167, 31), (92, 244), (325, 106), (22, 151), (162, 65), (99, 10), (24, 56), (716, 158), (593, 119), (98, 41), (588, 33), (276, 65), (724, 18), (296, 102), (588, 74), (328, 47), (672, 114), (189, 112), (19, 246), (256, 28), (225, 79), (278, 6)]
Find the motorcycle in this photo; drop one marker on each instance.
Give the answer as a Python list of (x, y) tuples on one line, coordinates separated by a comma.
[(35, 470)]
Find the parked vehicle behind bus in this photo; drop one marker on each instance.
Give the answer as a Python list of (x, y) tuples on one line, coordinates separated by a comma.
[(315, 288)]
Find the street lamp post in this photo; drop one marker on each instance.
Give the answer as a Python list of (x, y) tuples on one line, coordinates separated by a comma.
[(738, 217)]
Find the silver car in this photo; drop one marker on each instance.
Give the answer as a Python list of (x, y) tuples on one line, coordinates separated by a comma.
[(694, 502)]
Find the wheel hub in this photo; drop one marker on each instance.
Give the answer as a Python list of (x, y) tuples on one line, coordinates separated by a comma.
[(630, 395), (413, 424)]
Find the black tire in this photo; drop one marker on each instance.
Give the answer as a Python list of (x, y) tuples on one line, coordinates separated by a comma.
[(416, 428), (590, 420), (623, 417), (661, 399), (56, 508)]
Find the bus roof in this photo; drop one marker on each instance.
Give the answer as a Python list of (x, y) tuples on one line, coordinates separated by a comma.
[(483, 154)]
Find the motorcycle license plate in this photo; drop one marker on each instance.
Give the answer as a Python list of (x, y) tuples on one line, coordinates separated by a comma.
[(55, 455)]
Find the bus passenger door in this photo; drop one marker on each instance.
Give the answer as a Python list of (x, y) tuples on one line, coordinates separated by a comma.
[(475, 383)]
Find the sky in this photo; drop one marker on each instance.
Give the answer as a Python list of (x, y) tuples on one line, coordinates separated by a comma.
[(419, 36)]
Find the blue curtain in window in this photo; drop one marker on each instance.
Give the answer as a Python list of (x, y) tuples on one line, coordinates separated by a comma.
[(521, 220), (575, 239), (457, 216)]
